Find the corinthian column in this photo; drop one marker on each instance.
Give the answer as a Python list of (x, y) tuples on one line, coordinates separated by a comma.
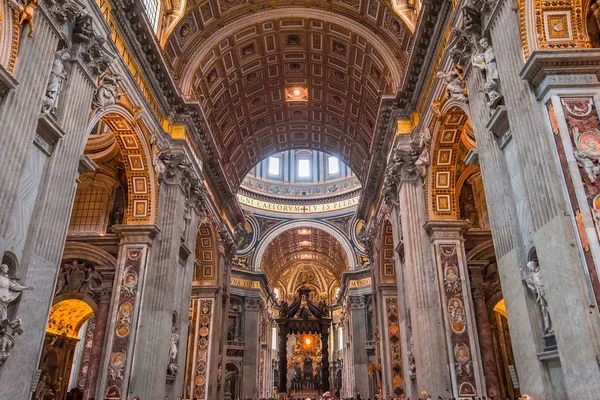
[(420, 284), (157, 359)]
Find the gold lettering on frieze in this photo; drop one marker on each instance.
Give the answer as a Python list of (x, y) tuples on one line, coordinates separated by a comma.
[(298, 209), (360, 283), (245, 283)]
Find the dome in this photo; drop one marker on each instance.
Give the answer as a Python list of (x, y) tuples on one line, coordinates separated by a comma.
[(300, 182)]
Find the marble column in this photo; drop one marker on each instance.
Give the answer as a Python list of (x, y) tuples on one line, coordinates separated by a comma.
[(97, 347), (251, 358), (283, 333), (484, 331), (360, 361), (420, 286)]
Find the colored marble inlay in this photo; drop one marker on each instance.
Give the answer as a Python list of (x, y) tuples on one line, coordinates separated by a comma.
[(391, 307), (581, 117), (130, 286), (457, 321), (202, 348)]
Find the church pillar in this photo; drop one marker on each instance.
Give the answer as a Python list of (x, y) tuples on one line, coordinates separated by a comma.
[(486, 343), (360, 361), (89, 390), (462, 344), (325, 356), (39, 182), (156, 359), (251, 359), (420, 286), (124, 317), (282, 337)]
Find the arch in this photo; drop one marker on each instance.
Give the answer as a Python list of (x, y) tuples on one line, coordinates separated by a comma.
[(445, 175), (67, 317), (387, 264), (205, 267), (88, 252), (301, 223), (132, 142)]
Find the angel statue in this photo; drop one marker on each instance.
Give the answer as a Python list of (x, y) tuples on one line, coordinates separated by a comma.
[(485, 60), (25, 12), (455, 86), (533, 279), (10, 290), (108, 92)]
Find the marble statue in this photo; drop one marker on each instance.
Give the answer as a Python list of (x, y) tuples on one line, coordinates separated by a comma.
[(172, 367), (535, 283), (455, 86), (412, 366), (43, 388), (58, 76), (72, 278), (588, 158), (485, 60), (187, 216), (108, 92), (8, 331), (422, 147), (10, 290)]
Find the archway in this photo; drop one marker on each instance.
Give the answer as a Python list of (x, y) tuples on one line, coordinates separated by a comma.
[(66, 350)]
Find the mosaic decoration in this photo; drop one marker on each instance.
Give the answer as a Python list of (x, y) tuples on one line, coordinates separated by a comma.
[(202, 364), (126, 318), (457, 320), (391, 307), (581, 117)]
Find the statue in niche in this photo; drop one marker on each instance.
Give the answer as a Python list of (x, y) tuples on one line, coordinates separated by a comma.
[(412, 366), (455, 86), (535, 283), (10, 291), (422, 146), (58, 76), (108, 92), (485, 60), (173, 342), (187, 217)]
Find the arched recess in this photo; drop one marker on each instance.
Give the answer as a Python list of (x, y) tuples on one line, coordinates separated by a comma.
[(553, 26), (10, 33), (132, 142), (386, 255), (269, 237), (408, 11), (452, 140), (205, 267)]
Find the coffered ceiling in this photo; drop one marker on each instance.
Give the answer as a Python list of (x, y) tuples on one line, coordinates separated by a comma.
[(237, 59), (303, 246)]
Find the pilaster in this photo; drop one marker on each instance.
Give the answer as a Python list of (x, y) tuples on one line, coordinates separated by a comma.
[(459, 318)]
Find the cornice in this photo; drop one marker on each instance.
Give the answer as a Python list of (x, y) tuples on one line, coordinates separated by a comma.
[(142, 43)]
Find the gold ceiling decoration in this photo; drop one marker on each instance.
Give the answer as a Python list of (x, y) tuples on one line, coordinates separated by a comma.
[(67, 317)]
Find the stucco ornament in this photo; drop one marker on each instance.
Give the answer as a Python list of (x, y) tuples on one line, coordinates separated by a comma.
[(455, 86), (108, 92), (25, 12), (485, 60), (535, 283)]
